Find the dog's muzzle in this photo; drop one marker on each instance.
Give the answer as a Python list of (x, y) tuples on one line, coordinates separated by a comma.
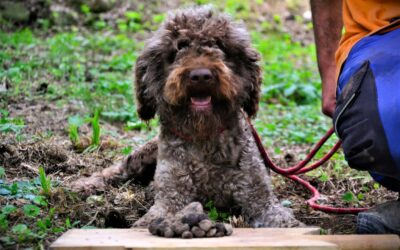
[(201, 84)]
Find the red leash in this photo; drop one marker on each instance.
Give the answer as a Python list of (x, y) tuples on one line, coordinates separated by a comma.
[(301, 168)]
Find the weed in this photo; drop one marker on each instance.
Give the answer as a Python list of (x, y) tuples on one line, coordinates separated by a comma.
[(45, 182), (214, 214), (7, 124), (35, 218), (74, 122), (127, 150), (85, 9), (96, 128), (349, 197), (2, 172), (31, 210)]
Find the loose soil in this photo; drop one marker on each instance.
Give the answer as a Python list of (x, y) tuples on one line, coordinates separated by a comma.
[(120, 206)]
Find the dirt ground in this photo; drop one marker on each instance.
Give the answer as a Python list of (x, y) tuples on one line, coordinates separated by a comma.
[(119, 206)]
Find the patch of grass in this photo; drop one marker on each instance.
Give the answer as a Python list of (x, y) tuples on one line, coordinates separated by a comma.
[(7, 124), (289, 70), (291, 124), (65, 61), (28, 217)]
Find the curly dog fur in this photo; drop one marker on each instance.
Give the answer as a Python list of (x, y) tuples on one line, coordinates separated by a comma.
[(201, 76), (197, 73)]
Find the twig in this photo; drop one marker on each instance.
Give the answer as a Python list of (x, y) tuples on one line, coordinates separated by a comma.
[(92, 220), (29, 167)]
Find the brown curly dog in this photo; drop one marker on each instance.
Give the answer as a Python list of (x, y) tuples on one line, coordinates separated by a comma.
[(201, 76)]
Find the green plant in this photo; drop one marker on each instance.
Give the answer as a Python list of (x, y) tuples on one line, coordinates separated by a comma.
[(96, 128), (85, 9), (126, 150), (45, 182), (28, 219), (2, 172), (8, 124), (31, 210), (214, 214), (74, 122), (349, 197)]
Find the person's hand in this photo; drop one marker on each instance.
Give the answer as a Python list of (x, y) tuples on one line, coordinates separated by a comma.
[(327, 21), (329, 96)]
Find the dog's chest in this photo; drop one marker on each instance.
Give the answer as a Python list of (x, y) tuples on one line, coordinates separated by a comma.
[(211, 165), (211, 169)]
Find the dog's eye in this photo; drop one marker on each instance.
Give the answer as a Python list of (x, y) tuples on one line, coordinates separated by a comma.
[(183, 44), (220, 45), (171, 57)]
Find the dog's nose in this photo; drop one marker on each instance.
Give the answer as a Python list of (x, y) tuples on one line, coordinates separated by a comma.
[(201, 75)]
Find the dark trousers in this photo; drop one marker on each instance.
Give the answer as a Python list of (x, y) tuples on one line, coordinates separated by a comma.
[(367, 116)]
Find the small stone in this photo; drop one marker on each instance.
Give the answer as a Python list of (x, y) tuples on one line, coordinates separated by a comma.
[(178, 227), (203, 217), (187, 235), (198, 232), (95, 199), (228, 229), (206, 224), (219, 234), (220, 227), (168, 233), (155, 225), (286, 203), (191, 219), (192, 208), (159, 226), (211, 232)]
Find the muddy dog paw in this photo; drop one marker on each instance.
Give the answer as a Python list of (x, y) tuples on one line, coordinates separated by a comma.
[(89, 185), (190, 222), (140, 166), (97, 181)]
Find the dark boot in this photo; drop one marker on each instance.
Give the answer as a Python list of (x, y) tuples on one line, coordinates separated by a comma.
[(382, 219)]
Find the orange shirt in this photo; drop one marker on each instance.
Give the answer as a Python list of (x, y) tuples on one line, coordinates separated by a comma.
[(362, 18)]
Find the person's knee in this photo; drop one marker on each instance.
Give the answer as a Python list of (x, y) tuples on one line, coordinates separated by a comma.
[(358, 124)]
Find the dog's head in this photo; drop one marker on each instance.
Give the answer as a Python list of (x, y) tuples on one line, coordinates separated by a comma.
[(199, 62)]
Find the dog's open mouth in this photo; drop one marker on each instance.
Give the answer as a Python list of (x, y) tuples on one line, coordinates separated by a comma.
[(200, 103)]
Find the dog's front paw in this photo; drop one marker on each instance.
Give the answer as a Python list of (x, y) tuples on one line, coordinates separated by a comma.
[(98, 181), (89, 185), (277, 216), (190, 222)]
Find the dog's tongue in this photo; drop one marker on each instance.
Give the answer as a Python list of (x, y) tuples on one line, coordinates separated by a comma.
[(201, 101)]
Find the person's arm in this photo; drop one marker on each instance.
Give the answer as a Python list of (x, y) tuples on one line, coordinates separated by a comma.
[(327, 22)]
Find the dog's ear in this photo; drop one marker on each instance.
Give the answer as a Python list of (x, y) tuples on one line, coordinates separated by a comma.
[(237, 46), (253, 79), (149, 73), (145, 101)]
